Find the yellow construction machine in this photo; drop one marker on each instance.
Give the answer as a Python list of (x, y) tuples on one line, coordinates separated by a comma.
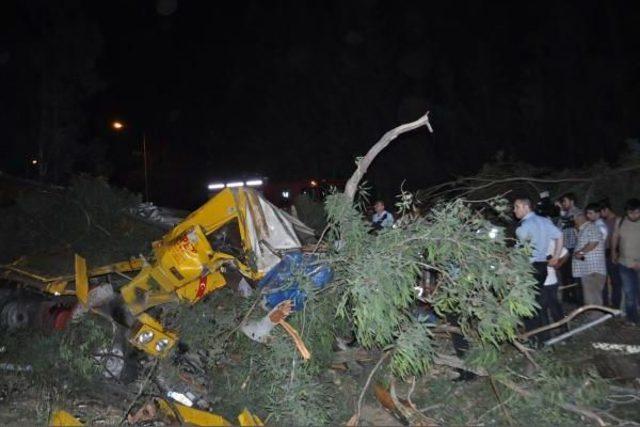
[(237, 229)]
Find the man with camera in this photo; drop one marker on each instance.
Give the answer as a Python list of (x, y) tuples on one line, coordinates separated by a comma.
[(568, 210)]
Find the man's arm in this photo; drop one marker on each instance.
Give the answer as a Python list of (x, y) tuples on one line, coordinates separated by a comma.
[(521, 234), (594, 237), (557, 251), (588, 247), (558, 240)]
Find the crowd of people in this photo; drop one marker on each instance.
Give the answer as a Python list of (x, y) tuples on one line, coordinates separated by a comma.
[(587, 256), (592, 254)]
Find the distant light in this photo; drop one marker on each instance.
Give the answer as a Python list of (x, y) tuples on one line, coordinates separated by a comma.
[(235, 184), (117, 125), (34, 162), (285, 194), (313, 183), (254, 183), (217, 186)]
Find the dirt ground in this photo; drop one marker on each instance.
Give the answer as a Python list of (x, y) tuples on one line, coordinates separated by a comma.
[(436, 395)]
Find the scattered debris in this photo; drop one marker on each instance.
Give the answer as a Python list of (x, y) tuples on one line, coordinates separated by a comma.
[(620, 348)]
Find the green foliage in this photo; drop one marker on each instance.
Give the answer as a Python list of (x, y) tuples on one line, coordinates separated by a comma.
[(270, 379), (81, 342), (482, 282), (414, 350), (68, 356), (89, 217), (311, 212)]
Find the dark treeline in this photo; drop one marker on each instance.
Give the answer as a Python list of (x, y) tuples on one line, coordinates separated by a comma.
[(299, 89)]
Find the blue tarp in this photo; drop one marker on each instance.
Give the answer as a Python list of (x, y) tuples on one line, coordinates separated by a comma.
[(281, 282)]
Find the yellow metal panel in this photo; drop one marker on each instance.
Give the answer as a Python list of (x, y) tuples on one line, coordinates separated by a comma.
[(182, 259), (58, 288), (246, 418), (82, 280), (197, 289), (197, 417), (121, 267), (212, 215), (63, 419)]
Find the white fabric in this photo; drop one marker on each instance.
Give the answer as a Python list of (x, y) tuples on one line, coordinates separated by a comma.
[(388, 220), (603, 228), (269, 235), (552, 277)]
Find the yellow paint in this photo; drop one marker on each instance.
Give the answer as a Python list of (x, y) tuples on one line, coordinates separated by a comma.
[(197, 417), (195, 291), (58, 288), (184, 265), (133, 264), (63, 419), (246, 418), (82, 280)]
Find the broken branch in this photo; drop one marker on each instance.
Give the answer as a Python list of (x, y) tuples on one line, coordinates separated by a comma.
[(568, 318), (363, 164), (356, 417)]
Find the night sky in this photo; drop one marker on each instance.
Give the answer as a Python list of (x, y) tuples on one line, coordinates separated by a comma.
[(296, 90)]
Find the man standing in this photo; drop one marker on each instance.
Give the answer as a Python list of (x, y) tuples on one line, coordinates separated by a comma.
[(610, 219), (625, 250), (568, 210), (381, 218), (588, 260), (538, 232), (592, 212)]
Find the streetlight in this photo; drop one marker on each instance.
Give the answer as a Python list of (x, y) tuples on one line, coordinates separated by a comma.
[(119, 126)]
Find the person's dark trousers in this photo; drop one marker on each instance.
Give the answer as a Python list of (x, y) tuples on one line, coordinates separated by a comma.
[(461, 346), (551, 302), (540, 317), (613, 273), (630, 284)]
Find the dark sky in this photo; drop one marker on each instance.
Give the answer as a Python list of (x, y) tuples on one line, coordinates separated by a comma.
[(297, 89)]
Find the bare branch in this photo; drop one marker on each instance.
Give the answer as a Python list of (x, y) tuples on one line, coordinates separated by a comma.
[(568, 318), (363, 164)]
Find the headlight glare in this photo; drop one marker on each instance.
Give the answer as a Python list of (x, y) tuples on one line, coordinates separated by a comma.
[(145, 337)]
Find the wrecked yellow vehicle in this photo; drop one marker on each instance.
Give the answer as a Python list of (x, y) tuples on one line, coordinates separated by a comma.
[(236, 232)]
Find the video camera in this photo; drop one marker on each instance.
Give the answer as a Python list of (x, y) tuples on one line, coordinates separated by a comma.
[(545, 206)]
